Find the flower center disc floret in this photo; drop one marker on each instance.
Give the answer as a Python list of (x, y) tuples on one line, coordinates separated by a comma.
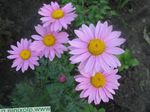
[(25, 54), (49, 40), (98, 80), (57, 14), (96, 47)]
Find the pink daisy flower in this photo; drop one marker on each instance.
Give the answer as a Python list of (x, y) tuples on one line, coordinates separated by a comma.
[(98, 87), (96, 48), (49, 43), (23, 56), (57, 17)]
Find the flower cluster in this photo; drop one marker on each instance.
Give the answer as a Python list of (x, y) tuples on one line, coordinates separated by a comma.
[(95, 50), (49, 40)]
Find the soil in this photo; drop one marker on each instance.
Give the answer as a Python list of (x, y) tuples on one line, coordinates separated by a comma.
[(17, 18)]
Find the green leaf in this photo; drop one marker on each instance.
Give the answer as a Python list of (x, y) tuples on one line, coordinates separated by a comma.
[(127, 61), (101, 110)]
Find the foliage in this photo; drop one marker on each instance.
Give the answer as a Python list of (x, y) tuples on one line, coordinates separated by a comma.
[(29, 94), (127, 61), (91, 11), (90, 108), (53, 69), (45, 89)]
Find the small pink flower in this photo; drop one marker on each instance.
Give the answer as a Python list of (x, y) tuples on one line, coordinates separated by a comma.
[(23, 56), (57, 17), (49, 43), (62, 78), (98, 87), (96, 48)]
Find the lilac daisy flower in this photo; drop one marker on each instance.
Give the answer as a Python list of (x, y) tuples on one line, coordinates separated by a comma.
[(49, 43), (56, 16), (98, 87), (96, 48), (23, 56)]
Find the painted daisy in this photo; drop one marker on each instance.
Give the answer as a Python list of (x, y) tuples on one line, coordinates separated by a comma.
[(23, 56), (57, 17), (96, 48), (49, 43), (98, 87)]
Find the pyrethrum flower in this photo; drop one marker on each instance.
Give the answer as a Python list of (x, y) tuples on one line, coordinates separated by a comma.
[(56, 16), (23, 56), (49, 43), (98, 87), (96, 48)]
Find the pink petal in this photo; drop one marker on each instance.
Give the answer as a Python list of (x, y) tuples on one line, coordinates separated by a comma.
[(46, 51), (12, 52), (90, 64), (111, 85), (78, 43), (109, 60), (97, 97), (82, 94), (113, 35), (116, 60), (52, 54), (25, 65), (37, 46), (115, 50), (45, 10), (40, 30), (110, 90), (80, 58), (78, 51), (92, 28), (81, 35), (19, 66), (47, 19), (55, 5), (104, 30), (12, 56), (108, 93), (115, 42), (103, 64), (88, 31), (31, 66), (62, 37), (14, 48), (97, 65), (103, 95), (91, 96), (63, 23), (46, 24), (36, 37), (80, 78), (98, 29), (16, 62), (43, 14), (82, 86), (68, 8)]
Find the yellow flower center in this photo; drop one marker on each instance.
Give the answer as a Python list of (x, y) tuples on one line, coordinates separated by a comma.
[(96, 47), (25, 54), (57, 14), (98, 80), (49, 40)]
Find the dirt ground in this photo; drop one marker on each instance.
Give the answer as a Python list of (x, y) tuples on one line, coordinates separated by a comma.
[(17, 18)]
